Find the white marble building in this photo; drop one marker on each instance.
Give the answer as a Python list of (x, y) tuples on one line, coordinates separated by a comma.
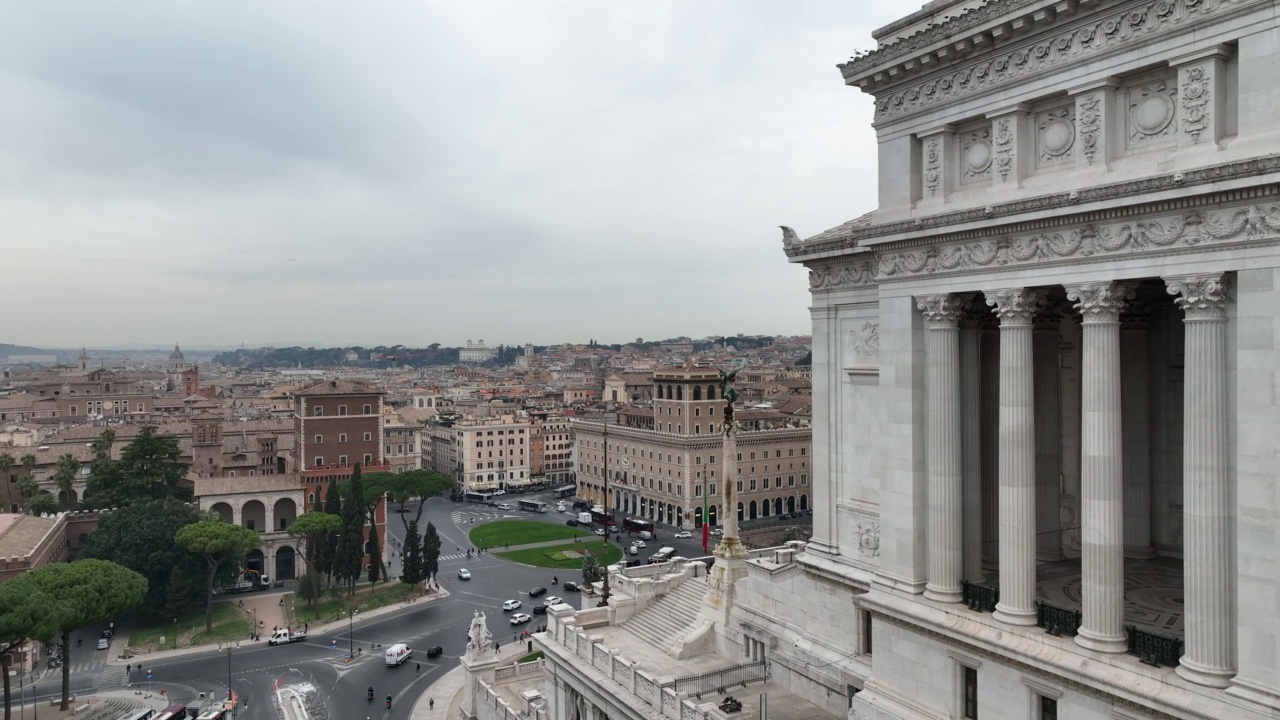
[(1045, 391)]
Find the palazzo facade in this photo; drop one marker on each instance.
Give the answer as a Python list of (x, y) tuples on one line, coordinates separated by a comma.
[(1064, 430)]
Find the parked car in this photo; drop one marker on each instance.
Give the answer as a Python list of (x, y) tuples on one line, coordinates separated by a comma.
[(464, 574), (684, 534), (571, 522), (600, 531), (537, 592), (103, 643), (520, 619), (510, 605), (717, 532), (553, 600), (539, 609), (570, 586), (436, 651)]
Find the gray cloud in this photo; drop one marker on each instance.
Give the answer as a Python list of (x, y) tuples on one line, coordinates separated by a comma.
[(557, 170)]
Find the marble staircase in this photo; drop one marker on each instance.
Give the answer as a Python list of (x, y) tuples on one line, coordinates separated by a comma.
[(668, 619)]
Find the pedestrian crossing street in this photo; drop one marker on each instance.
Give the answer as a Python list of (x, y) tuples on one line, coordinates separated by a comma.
[(112, 677), (463, 517)]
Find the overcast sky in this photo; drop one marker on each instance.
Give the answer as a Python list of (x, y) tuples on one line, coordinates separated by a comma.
[(416, 172)]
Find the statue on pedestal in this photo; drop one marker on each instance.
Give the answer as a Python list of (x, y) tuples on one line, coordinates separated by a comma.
[(729, 393), (479, 639)]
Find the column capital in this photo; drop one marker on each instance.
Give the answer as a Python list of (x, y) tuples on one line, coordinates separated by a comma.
[(1201, 297), (1016, 306), (1100, 302), (943, 311)]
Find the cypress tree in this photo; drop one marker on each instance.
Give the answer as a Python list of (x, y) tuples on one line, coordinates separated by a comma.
[(411, 558), (430, 552)]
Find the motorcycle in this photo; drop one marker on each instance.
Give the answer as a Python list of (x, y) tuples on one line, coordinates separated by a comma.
[(370, 694), (388, 702), (555, 580)]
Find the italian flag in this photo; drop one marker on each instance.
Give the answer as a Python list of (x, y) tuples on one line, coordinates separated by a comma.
[(706, 521)]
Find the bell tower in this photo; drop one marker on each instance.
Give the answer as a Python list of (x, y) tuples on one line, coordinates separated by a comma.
[(206, 443)]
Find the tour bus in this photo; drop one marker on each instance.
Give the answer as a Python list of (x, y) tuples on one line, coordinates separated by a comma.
[(478, 497), (532, 505), (638, 525), (566, 491)]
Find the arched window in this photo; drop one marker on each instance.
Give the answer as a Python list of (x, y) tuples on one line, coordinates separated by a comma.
[(671, 393), (697, 392), (659, 392), (679, 392), (711, 392)]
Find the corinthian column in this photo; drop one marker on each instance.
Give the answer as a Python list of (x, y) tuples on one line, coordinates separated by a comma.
[(1135, 414), (971, 450), (1210, 654), (942, 358), (1101, 467), (1048, 435), (1017, 455)]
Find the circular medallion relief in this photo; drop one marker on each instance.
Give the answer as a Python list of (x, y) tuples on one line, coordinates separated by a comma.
[(1153, 114), (978, 156), (1057, 137)]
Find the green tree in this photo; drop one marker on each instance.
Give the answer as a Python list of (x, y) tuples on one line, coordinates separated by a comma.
[(402, 487), (311, 587), (329, 549), (219, 543), (29, 463), (6, 468), (28, 488), (42, 504), (591, 570), (140, 537), (411, 561), (78, 594), (148, 468), (24, 614), (313, 531), (177, 594), (376, 569), (65, 478), (430, 552)]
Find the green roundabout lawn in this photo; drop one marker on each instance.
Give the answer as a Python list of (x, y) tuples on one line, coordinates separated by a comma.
[(567, 556), (501, 533)]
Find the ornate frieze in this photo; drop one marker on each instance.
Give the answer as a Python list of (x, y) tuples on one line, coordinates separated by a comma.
[(976, 154), (1006, 146), (1151, 111), (1089, 123), (1100, 302), (1201, 297), (831, 277), (1176, 232), (1050, 52), (1055, 136), (1187, 179), (932, 174), (866, 340)]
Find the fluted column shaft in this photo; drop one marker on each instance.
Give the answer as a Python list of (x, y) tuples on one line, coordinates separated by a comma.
[(1101, 467), (1048, 408), (1135, 413), (989, 369), (1017, 455), (942, 455), (971, 453), (1210, 654)]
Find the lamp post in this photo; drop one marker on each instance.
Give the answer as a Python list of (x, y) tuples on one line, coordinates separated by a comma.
[(228, 675), (351, 643)]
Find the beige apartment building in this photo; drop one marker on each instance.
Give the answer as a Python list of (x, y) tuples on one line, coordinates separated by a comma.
[(660, 461), (401, 442), (493, 453)]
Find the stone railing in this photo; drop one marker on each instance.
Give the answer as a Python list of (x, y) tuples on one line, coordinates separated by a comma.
[(565, 636), (492, 706), (518, 670)]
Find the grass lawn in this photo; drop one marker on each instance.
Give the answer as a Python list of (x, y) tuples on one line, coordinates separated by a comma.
[(330, 609), (520, 532), (229, 623), (561, 557), (531, 657)]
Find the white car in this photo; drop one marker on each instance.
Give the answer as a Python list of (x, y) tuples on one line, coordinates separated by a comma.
[(510, 605), (599, 531), (520, 619), (464, 574), (103, 643), (684, 534), (717, 532), (553, 600), (503, 506), (637, 543)]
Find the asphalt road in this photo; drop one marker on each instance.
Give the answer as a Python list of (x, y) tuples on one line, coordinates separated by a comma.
[(257, 669)]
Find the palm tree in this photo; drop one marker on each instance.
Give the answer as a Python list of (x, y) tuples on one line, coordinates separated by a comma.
[(65, 477), (6, 466), (29, 463)]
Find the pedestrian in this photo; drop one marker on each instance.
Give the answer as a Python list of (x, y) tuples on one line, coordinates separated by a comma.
[(128, 669), (431, 703)]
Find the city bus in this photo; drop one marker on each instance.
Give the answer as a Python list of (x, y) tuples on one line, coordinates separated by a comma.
[(599, 517), (566, 491), (532, 505), (173, 712), (637, 525), (478, 497), (143, 714)]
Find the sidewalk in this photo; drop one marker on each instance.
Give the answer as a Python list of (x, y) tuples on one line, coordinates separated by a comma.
[(447, 691), (141, 659)]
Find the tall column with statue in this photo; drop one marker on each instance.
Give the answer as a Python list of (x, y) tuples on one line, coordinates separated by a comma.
[(730, 553)]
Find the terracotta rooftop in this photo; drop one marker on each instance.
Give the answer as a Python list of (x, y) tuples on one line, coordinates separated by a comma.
[(21, 535), (339, 386)]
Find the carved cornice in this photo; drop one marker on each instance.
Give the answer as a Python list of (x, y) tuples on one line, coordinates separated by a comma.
[(1016, 306), (1195, 230), (1201, 297), (1052, 51), (943, 311), (1144, 186), (1100, 302), (833, 277)]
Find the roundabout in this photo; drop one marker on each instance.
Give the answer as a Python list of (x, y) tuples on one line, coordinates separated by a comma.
[(541, 544)]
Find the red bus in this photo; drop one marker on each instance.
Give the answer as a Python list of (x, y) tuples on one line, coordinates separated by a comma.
[(637, 525), (599, 517)]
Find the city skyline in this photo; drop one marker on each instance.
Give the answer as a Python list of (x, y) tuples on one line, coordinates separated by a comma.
[(442, 177)]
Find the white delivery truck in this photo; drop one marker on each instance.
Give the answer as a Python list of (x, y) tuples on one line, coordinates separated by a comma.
[(284, 636), (397, 654), (584, 519)]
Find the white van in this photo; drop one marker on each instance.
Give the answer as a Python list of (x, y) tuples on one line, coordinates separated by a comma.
[(397, 654)]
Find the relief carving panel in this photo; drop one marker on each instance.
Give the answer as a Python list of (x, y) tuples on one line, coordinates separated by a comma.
[(1056, 136), (1151, 111), (976, 154)]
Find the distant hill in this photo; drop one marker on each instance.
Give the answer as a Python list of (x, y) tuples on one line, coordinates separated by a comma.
[(312, 357), (6, 350)]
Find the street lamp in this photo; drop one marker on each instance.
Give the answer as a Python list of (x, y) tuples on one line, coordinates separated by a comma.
[(351, 643), (228, 674)]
